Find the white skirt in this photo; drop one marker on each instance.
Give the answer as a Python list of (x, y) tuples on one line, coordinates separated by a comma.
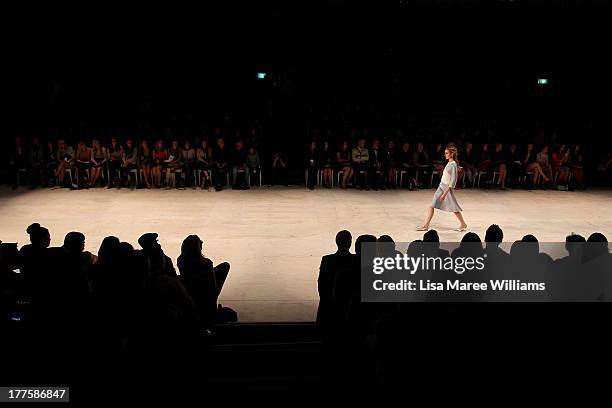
[(450, 202)]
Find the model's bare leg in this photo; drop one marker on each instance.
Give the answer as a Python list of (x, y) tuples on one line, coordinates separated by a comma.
[(461, 220), (428, 217)]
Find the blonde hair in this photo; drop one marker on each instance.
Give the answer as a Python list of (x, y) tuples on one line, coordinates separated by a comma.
[(453, 151)]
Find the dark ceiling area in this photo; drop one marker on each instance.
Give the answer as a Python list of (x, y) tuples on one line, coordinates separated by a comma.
[(91, 66)]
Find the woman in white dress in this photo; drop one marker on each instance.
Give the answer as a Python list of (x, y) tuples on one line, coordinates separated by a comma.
[(444, 198)]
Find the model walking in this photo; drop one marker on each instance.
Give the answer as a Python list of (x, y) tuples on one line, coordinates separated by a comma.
[(444, 198)]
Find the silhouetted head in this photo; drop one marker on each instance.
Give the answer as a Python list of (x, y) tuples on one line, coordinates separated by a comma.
[(363, 239), (191, 247), (494, 234), (573, 242), (109, 250), (125, 248), (529, 245), (385, 246), (597, 244), (431, 236), (74, 242), (597, 237), (39, 236), (415, 248), (471, 237), (148, 241), (344, 240)]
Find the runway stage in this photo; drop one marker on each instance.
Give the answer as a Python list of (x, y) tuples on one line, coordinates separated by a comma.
[(274, 237)]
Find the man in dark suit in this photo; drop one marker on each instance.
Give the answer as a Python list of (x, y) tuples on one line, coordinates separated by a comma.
[(331, 266)]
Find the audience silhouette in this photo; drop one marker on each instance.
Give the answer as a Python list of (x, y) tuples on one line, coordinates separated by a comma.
[(132, 301)]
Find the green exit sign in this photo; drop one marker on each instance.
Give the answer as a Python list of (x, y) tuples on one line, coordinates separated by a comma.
[(542, 81)]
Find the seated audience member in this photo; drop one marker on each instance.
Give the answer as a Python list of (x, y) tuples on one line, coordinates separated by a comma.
[(312, 165), (160, 162), (99, 160), (514, 164), (279, 170), (574, 245), (377, 169), (220, 164), (78, 264), (406, 164), (500, 165), (170, 314), (390, 160), (204, 163), (437, 158), (361, 157), (32, 252), (188, 160), (530, 164), (597, 248), (385, 246), (160, 263), (240, 173), (542, 159), (173, 164), (18, 160), (203, 281), (465, 248), (421, 162), (253, 165), (347, 293), (82, 162), (560, 161), (145, 157), (485, 160), (74, 244), (115, 159), (37, 158), (343, 161), (433, 237), (51, 163), (329, 315), (326, 160), (493, 238), (130, 162), (468, 162), (576, 166), (118, 291), (65, 159)]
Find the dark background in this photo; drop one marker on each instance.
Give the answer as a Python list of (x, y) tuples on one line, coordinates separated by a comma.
[(429, 68)]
